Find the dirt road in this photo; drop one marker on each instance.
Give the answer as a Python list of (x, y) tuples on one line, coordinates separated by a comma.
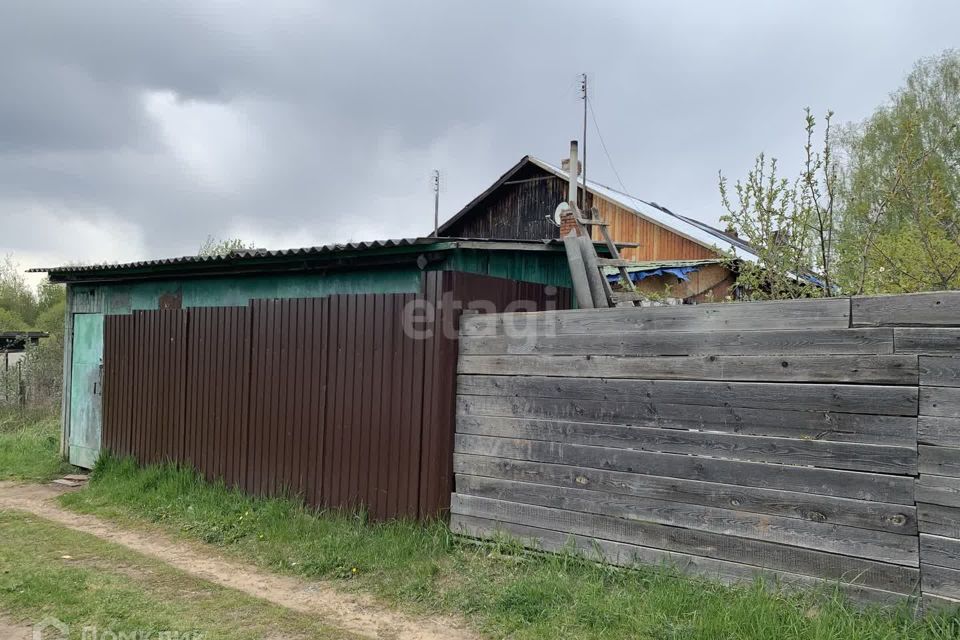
[(13, 631), (354, 613)]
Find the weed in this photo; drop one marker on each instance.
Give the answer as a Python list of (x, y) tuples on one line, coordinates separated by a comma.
[(124, 594), (501, 588), (30, 445)]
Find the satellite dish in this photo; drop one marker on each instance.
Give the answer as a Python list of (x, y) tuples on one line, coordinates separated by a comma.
[(562, 208)]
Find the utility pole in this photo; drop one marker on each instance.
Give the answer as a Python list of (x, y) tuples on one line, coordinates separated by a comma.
[(583, 89), (436, 202)]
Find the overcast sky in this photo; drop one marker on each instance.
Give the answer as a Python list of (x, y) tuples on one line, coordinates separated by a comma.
[(136, 129)]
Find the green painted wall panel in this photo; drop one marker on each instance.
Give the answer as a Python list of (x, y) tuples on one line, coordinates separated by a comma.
[(541, 267), (238, 291)]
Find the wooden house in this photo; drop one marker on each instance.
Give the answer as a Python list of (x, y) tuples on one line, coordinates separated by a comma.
[(682, 257)]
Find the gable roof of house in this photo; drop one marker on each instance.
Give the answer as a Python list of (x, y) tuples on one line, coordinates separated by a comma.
[(692, 229)]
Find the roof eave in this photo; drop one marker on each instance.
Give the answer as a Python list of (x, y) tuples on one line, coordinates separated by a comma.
[(561, 174), (305, 260)]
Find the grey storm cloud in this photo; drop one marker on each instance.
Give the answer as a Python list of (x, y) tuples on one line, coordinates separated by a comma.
[(130, 130)]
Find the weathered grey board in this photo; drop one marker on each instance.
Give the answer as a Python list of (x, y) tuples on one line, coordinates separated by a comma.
[(831, 455), (940, 401), (939, 520), (689, 541), (944, 432), (941, 581), (939, 371), (871, 399), (791, 504), (787, 314), (678, 343), (940, 551), (632, 555), (939, 308), (831, 482), (934, 604), (800, 437), (813, 425), (927, 340), (822, 537), (940, 461), (860, 369), (938, 490)]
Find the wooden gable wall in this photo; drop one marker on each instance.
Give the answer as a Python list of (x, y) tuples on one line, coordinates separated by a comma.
[(517, 210), (523, 207), (656, 242)]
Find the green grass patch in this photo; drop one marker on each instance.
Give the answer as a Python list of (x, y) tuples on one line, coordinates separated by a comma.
[(86, 582), (30, 445), (502, 590)]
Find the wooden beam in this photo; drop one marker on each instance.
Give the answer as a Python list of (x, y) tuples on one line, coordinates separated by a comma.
[(862, 369), (633, 555), (828, 455), (938, 490), (941, 581), (927, 340), (812, 425), (682, 343), (842, 484), (944, 432), (67, 374), (939, 308), (938, 519), (848, 541), (789, 504), (692, 541), (939, 371), (870, 399), (831, 313), (940, 401), (940, 461)]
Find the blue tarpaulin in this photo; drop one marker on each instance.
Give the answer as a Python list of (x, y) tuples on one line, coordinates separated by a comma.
[(636, 276)]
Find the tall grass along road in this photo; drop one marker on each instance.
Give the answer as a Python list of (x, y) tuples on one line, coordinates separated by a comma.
[(501, 590)]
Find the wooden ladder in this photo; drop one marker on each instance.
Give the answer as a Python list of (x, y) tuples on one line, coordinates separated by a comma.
[(586, 268), (629, 297)]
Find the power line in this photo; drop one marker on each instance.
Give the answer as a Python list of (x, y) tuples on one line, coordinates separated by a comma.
[(583, 89), (603, 144), (435, 179)]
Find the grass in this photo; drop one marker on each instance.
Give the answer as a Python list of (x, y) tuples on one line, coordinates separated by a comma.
[(85, 582), (501, 590), (30, 445)]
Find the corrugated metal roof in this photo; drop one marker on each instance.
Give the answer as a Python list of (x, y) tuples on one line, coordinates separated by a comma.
[(245, 255), (695, 230)]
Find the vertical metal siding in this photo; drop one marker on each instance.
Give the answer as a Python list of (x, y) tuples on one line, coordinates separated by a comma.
[(326, 398)]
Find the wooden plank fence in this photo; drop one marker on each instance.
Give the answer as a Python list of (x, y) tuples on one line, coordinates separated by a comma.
[(812, 441)]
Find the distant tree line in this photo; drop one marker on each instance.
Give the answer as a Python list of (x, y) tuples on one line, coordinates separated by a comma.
[(39, 375), (876, 207)]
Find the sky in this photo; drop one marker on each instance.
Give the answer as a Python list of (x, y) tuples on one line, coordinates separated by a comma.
[(133, 130)]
